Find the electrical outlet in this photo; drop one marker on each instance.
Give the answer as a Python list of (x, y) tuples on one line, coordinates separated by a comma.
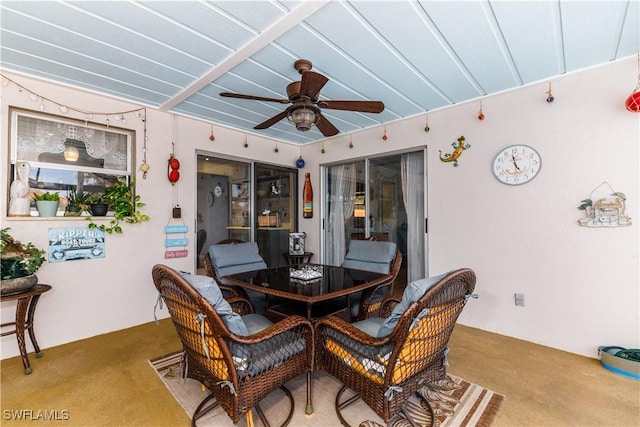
[(519, 298)]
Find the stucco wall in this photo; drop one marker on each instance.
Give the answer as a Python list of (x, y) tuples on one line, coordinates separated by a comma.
[(581, 285)]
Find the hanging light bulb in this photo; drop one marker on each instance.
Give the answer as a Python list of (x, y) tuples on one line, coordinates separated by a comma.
[(71, 154)]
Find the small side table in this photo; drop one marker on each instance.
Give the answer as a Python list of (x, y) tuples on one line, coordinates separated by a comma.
[(25, 311), (298, 259)]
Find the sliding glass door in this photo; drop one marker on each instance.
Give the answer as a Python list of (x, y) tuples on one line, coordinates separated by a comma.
[(380, 198), (245, 201)]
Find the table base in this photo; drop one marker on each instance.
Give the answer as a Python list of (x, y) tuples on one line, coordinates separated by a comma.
[(320, 309)]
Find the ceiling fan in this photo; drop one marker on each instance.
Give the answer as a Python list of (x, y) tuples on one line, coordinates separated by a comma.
[(305, 108)]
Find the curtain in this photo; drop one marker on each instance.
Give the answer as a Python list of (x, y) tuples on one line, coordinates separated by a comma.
[(342, 192), (412, 173)]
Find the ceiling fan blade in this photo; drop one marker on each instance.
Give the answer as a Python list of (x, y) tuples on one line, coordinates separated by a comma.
[(325, 126), (311, 84), (361, 106), (254, 98), (272, 121)]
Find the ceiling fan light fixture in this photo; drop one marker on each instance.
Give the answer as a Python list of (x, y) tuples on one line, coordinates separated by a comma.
[(303, 117)]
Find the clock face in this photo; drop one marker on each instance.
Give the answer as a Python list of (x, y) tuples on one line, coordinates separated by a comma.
[(217, 190), (516, 164)]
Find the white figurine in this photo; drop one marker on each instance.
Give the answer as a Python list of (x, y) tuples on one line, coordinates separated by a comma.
[(20, 202)]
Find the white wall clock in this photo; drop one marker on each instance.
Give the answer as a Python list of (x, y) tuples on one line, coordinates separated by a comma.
[(516, 164), (217, 190)]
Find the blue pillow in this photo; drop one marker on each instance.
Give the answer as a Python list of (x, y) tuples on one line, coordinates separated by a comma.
[(370, 255), (412, 293), (235, 258), (208, 288)]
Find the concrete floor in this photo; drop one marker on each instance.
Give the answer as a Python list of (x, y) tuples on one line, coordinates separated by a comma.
[(107, 381)]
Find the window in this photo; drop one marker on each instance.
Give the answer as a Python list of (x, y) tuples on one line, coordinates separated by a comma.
[(65, 154)]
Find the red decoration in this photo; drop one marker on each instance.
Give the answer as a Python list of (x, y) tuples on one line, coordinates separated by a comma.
[(633, 101), (173, 172), (174, 163)]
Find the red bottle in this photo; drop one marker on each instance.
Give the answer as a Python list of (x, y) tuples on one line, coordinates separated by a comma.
[(307, 197)]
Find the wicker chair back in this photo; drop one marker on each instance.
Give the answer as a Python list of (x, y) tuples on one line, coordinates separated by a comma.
[(239, 371), (386, 371)]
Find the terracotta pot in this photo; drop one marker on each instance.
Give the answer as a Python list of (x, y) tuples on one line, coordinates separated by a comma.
[(17, 285)]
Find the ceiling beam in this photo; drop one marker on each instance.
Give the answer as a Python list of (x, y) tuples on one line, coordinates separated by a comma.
[(287, 22)]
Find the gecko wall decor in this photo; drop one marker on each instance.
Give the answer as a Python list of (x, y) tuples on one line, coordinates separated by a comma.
[(459, 147)]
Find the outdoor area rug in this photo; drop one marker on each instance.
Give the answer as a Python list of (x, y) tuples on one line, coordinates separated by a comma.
[(455, 401)]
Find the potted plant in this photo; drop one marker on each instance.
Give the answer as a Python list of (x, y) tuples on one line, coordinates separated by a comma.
[(98, 204), (78, 202), (18, 264), (47, 203), (121, 199)]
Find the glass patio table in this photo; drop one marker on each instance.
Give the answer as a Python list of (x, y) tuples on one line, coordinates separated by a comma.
[(306, 295)]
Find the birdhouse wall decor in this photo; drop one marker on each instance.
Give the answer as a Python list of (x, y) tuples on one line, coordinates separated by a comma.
[(607, 211)]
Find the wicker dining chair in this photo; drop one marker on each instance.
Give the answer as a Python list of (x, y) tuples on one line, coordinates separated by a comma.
[(240, 359), (370, 300), (210, 270), (372, 255), (387, 360)]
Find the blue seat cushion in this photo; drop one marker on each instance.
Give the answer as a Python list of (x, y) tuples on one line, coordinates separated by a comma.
[(256, 358), (256, 323), (370, 325), (370, 255), (208, 288), (412, 293)]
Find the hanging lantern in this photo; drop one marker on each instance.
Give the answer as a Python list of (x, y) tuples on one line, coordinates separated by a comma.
[(173, 172), (633, 101)]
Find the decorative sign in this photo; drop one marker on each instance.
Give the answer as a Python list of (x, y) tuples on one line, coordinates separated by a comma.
[(175, 254), (169, 243), (66, 244), (172, 241), (170, 229)]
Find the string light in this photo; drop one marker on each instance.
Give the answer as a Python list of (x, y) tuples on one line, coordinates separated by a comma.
[(140, 114), (88, 115)]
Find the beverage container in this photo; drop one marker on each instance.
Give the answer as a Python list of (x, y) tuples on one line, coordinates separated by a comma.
[(307, 197)]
